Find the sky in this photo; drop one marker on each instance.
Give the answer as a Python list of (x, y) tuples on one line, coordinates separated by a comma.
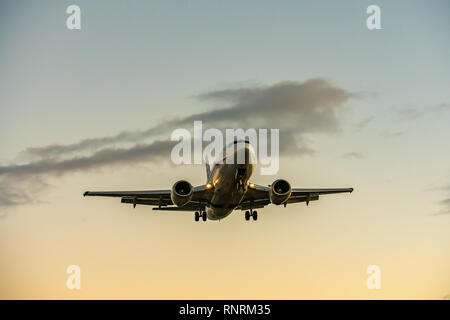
[(92, 109)]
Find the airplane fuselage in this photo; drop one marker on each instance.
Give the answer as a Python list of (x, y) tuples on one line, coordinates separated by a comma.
[(230, 180)]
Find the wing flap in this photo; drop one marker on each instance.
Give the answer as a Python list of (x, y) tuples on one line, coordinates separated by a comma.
[(147, 201), (247, 205), (300, 191), (137, 193), (296, 199), (187, 207)]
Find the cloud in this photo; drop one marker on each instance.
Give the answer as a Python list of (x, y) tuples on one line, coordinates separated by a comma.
[(447, 297), (445, 203), (108, 156), (355, 155), (412, 113), (23, 184), (308, 107), (293, 107), (363, 123), (296, 108), (93, 144), (393, 134), (16, 191)]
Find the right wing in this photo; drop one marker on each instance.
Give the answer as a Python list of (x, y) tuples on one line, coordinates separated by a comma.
[(159, 198), (258, 196)]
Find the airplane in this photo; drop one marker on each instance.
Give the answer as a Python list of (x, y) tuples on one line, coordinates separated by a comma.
[(227, 188)]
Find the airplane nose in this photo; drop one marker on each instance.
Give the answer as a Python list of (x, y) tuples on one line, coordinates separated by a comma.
[(242, 153)]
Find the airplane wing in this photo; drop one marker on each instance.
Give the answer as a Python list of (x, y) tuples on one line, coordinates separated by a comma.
[(158, 198), (258, 196)]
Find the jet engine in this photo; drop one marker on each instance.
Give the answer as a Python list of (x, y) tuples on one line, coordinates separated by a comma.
[(280, 191), (181, 193)]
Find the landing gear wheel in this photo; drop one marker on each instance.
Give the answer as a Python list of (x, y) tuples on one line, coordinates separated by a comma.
[(197, 216), (204, 216), (247, 215), (255, 215)]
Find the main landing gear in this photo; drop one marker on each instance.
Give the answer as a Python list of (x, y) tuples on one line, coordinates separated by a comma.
[(251, 213), (202, 215)]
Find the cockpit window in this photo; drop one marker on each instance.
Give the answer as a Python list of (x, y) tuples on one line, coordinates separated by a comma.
[(245, 141)]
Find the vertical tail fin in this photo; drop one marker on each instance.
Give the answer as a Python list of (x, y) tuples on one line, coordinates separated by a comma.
[(208, 169)]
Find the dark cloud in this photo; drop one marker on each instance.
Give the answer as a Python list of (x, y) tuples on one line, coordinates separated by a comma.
[(22, 184), (445, 206), (16, 191), (445, 203), (294, 108), (310, 106), (355, 155), (93, 144), (109, 156)]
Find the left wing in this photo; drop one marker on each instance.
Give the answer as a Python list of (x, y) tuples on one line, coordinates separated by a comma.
[(159, 198), (258, 196)]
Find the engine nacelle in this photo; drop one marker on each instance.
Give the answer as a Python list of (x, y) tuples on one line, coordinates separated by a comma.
[(181, 193), (280, 191)]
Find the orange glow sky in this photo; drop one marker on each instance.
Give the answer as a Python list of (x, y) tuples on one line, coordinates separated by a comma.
[(132, 67)]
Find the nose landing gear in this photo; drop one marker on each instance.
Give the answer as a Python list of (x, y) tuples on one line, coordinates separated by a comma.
[(240, 174), (252, 213), (240, 185), (202, 215)]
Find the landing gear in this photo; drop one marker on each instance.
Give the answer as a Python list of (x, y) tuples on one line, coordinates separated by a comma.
[(202, 215), (251, 213), (240, 184), (240, 175)]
